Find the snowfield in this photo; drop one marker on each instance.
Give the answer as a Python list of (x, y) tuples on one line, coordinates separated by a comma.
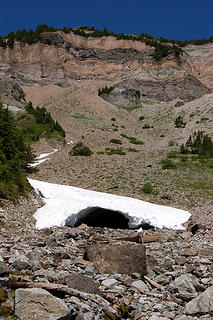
[(63, 201)]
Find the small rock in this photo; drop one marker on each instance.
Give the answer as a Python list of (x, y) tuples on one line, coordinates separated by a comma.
[(206, 281), (185, 318), (65, 263), (156, 317), (188, 252), (158, 307), (135, 275), (90, 270), (205, 261), (162, 279), (82, 283), (109, 283), (4, 269), (140, 285)]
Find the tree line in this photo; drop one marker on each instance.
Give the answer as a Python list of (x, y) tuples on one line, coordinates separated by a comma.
[(163, 47)]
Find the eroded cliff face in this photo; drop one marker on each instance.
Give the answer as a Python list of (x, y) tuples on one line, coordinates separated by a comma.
[(11, 95), (69, 56)]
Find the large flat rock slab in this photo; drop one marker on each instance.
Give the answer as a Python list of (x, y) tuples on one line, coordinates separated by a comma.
[(118, 258)]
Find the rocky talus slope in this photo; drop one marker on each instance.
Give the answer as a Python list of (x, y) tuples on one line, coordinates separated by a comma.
[(51, 274)]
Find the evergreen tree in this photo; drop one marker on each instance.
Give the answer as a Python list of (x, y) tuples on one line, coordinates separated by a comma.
[(14, 157)]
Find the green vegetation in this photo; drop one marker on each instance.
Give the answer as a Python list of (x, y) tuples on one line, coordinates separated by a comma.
[(132, 140), (79, 149), (168, 164), (171, 143), (116, 141), (118, 151), (15, 155), (133, 150), (105, 90), (146, 126), (147, 188), (179, 123), (29, 37), (130, 108), (172, 154), (199, 143), (43, 124), (141, 118)]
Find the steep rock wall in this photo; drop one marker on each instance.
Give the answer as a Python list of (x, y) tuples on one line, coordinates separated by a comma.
[(70, 56)]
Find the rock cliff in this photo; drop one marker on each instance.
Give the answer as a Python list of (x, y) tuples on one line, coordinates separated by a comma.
[(12, 95), (69, 56)]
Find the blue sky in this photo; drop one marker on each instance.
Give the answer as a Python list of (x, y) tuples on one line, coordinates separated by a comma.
[(182, 19)]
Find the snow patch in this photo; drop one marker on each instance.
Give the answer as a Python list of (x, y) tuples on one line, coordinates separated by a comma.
[(40, 159), (43, 155), (63, 201)]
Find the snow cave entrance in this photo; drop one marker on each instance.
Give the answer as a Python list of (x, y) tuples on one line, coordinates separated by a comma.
[(101, 217)]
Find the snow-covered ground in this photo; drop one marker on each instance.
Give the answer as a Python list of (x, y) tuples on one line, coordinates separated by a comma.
[(62, 201), (41, 159)]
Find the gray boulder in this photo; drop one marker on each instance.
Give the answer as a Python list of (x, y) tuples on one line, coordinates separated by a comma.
[(37, 304), (21, 263), (201, 304), (182, 284)]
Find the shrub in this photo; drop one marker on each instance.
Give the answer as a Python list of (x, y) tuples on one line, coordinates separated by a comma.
[(168, 164), (141, 118), (105, 90), (172, 154), (116, 141), (113, 119), (179, 123), (146, 126), (198, 143), (79, 149), (135, 140), (171, 143), (147, 188), (133, 150), (118, 151), (132, 140)]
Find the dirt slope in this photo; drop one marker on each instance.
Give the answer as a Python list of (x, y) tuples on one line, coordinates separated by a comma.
[(87, 117)]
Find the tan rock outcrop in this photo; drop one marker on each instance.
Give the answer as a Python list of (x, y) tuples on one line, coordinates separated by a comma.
[(70, 56)]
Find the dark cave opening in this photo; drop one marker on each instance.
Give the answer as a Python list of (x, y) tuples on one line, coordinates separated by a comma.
[(99, 217)]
